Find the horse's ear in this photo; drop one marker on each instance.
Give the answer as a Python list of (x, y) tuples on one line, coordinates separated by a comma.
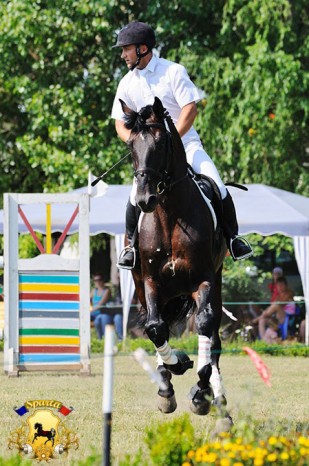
[(125, 108), (158, 107), (129, 115)]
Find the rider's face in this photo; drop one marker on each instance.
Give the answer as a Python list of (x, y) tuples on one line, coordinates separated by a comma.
[(129, 55)]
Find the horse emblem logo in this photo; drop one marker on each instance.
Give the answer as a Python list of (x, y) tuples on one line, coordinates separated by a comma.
[(43, 428), (44, 434)]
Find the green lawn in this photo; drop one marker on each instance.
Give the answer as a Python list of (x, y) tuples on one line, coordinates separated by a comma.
[(286, 402)]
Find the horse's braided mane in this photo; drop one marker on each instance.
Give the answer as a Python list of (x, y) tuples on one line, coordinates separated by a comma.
[(135, 121)]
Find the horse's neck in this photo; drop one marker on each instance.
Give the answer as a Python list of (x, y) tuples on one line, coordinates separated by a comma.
[(179, 159)]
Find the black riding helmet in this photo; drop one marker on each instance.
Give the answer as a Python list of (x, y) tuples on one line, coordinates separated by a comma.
[(137, 33)]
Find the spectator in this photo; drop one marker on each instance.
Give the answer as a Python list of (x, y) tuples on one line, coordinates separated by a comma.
[(281, 308), (109, 317), (269, 334), (276, 273), (99, 296)]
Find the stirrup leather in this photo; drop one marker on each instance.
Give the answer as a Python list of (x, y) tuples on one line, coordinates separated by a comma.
[(244, 256), (127, 248)]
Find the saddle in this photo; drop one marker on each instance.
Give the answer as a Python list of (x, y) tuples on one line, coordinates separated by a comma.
[(210, 189)]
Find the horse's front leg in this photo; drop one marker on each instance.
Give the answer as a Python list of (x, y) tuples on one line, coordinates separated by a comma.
[(201, 394), (168, 361)]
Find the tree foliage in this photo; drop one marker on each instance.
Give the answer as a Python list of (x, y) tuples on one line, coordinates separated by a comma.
[(59, 74)]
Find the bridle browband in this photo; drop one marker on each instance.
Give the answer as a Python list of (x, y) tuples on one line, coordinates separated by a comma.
[(164, 176)]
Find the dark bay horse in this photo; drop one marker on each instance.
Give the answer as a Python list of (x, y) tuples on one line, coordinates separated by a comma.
[(180, 255)]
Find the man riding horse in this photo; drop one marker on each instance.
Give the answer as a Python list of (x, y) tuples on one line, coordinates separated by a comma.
[(150, 77)]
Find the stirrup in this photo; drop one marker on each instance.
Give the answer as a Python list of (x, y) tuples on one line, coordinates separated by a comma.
[(244, 256), (123, 252)]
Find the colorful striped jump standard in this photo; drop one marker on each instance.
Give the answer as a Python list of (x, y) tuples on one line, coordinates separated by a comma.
[(47, 297), (49, 318)]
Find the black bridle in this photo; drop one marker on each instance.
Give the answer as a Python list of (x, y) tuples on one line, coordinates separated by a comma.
[(164, 177)]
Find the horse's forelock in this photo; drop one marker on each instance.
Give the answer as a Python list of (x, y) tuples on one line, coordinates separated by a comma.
[(136, 121)]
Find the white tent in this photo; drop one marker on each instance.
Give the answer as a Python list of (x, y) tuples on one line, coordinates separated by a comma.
[(262, 209)]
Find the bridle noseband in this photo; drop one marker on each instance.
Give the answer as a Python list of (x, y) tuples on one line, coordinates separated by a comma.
[(163, 177)]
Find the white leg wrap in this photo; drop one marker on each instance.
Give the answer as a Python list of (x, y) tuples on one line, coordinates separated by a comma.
[(204, 351), (216, 382), (166, 354)]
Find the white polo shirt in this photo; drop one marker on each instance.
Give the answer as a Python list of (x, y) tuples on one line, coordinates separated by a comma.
[(161, 78)]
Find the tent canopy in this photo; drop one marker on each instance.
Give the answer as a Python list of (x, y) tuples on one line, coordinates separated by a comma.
[(262, 209)]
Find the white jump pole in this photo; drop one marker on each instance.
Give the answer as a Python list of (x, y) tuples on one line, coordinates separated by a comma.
[(108, 378)]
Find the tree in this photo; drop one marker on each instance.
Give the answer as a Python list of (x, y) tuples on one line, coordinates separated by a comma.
[(59, 74), (254, 116)]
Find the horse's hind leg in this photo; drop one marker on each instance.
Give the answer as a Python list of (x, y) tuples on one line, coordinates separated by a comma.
[(201, 394), (166, 397)]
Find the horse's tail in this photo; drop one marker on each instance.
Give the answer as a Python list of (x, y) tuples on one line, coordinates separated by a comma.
[(174, 311), (178, 309)]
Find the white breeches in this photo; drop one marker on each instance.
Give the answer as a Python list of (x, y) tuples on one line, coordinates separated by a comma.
[(200, 162)]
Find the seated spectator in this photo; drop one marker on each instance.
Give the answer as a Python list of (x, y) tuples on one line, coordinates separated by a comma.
[(276, 273), (269, 334), (99, 296), (280, 308), (109, 317)]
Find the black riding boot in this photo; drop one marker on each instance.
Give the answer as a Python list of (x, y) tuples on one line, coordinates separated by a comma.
[(238, 246), (127, 257)]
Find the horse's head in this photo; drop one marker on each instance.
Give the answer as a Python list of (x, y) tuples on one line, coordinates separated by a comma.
[(150, 151)]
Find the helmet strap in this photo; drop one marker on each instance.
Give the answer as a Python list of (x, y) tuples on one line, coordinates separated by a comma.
[(139, 56)]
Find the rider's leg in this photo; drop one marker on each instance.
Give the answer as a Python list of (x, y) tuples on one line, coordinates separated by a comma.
[(202, 163), (127, 257)]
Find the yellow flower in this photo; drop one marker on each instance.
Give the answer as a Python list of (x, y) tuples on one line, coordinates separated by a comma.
[(272, 457), (303, 441), (258, 462), (186, 464), (227, 446), (216, 445), (225, 462), (272, 440), (191, 454), (303, 451), (210, 458), (284, 455), (238, 464)]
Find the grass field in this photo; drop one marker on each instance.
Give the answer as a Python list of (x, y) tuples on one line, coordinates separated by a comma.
[(286, 403)]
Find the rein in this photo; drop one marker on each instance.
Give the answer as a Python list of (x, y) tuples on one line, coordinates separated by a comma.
[(163, 184)]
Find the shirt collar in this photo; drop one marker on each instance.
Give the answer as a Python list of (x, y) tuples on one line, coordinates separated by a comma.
[(150, 66)]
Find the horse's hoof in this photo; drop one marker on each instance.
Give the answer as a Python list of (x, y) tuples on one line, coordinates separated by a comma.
[(184, 363), (201, 401), (167, 405)]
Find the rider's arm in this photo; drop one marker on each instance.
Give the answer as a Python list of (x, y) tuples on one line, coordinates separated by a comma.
[(186, 118), (122, 131)]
